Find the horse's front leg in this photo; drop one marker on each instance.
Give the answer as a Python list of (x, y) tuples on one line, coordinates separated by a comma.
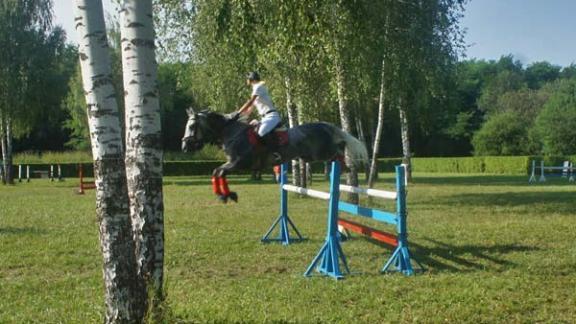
[(220, 183)]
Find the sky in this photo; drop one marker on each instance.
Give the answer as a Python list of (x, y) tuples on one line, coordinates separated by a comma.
[(531, 30)]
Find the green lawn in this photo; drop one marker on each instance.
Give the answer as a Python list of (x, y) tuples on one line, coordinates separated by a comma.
[(496, 249)]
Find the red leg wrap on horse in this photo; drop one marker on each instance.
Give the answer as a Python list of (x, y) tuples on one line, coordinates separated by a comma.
[(224, 186), (216, 186)]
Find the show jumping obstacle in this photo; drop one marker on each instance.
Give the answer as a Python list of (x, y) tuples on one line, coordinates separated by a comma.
[(327, 261), (567, 171), (84, 185)]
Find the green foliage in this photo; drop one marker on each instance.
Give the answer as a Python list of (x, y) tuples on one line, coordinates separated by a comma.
[(502, 134), (555, 126), (507, 164), (52, 157), (480, 164), (539, 73), (448, 165), (77, 123)]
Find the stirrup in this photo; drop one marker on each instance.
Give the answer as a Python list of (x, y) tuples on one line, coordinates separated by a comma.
[(277, 156)]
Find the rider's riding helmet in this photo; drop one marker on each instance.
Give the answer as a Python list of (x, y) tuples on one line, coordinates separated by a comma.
[(253, 76)]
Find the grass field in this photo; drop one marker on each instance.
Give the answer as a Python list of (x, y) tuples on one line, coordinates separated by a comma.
[(496, 249)]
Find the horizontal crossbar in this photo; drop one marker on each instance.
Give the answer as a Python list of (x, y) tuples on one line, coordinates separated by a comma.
[(380, 236), (307, 192), (379, 215), (88, 185), (370, 192), (556, 168)]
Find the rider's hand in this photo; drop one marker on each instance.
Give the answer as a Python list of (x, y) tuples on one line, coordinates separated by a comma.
[(254, 122), (234, 116)]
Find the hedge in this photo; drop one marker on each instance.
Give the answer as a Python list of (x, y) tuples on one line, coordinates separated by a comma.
[(487, 164)]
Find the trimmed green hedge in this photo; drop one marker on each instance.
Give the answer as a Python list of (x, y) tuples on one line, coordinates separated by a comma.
[(487, 164)]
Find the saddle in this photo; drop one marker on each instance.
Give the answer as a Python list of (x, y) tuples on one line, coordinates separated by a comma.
[(280, 133)]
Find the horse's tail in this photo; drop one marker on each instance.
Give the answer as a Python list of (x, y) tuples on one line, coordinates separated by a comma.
[(356, 150)]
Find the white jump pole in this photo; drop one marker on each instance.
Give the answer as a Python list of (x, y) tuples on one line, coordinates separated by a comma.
[(533, 173), (19, 172), (51, 172), (542, 177), (27, 173)]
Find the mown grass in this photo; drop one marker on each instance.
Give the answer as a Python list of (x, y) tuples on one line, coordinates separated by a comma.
[(496, 249)]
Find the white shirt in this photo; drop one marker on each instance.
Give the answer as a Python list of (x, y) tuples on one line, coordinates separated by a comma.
[(263, 102)]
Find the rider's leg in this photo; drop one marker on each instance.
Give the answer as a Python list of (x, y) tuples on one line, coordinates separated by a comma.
[(268, 123)]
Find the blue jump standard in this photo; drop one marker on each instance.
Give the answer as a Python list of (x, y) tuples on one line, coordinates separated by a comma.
[(283, 220), (327, 262)]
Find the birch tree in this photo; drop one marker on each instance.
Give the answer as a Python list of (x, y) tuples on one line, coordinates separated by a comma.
[(124, 293), (143, 141), (21, 22)]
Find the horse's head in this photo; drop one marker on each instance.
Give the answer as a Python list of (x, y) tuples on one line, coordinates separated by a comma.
[(203, 127), (195, 133)]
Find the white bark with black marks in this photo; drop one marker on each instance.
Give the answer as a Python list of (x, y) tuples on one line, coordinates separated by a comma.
[(6, 143), (404, 129), (125, 292), (352, 175), (379, 128), (143, 139), (292, 122)]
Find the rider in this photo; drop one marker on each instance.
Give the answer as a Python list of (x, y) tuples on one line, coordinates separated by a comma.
[(270, 116)]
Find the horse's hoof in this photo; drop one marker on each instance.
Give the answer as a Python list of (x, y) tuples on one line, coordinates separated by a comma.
[(233, 196), (223, 199)]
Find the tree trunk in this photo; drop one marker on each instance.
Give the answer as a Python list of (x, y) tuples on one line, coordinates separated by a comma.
[(143, 141), (406, 159), (292, 122), (380, 126), (301, 165), (364, 140), (6, 139), (3, 147), (9, 170), (352, 176), (124, 289)]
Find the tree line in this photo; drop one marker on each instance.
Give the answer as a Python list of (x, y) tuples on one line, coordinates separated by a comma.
[(473, 106)]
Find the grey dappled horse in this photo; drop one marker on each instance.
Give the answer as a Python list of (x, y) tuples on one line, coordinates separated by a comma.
[(311, 142)]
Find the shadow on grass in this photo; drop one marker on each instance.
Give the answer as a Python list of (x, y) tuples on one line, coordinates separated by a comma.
[(466, 258), (544, 201), (488, 180), (20, 231), (443, 257)]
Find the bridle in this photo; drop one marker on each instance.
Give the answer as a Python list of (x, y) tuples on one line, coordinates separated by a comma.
[(195, 135)]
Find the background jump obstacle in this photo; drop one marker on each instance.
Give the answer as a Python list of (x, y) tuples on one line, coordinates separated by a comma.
[(331, 255), (84, 185), (567, 171)]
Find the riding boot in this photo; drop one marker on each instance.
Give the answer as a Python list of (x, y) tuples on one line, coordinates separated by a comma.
[(270, 142)]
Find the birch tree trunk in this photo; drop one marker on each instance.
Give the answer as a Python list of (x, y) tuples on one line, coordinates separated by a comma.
[(380, 126), (364, 140), (352, 176), (292, 122), (3, 147), (406, 159), (6, 139), (143, 141), (124, 289), (301, 165)]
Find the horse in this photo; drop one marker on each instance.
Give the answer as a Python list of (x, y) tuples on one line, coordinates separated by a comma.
[(244, 151)]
